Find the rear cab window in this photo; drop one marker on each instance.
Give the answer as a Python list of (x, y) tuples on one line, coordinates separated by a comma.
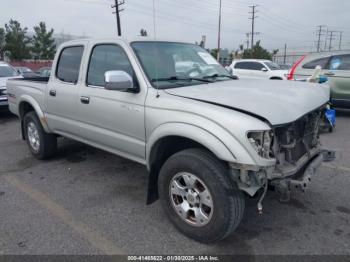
[(68, 66)]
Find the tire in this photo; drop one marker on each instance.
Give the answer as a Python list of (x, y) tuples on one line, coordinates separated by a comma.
[(227, 202), (44, 145)]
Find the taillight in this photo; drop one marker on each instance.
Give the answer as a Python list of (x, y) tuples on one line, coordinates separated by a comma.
[(291, 73)]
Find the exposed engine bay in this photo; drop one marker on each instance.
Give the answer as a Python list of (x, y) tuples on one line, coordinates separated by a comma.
[(297, 149)]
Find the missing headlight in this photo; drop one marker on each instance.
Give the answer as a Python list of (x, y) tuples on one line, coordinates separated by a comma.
[(261, 142)]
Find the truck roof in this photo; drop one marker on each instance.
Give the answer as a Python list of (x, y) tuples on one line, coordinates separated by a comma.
[(125, 40)]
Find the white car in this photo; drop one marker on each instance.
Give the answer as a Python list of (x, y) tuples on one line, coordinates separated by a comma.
[(256, 68), (6, 72)]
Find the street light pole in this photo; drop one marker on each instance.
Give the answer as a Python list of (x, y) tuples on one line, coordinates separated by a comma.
[(219, 33)]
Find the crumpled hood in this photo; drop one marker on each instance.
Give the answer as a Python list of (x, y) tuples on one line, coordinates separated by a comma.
[(279, 102)]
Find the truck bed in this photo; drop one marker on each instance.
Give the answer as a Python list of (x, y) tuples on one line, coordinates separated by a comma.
[(33, 79), (33, 87)]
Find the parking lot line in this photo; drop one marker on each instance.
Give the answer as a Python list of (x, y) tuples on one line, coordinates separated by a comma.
[(95, 238), (342, 168)]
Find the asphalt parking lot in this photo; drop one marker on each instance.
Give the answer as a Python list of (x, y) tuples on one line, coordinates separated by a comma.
[(86, 201)]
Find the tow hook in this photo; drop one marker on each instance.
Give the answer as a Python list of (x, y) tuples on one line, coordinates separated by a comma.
[(260, 206)]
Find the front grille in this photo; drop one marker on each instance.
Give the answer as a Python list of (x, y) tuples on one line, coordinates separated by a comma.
[(298, 138)]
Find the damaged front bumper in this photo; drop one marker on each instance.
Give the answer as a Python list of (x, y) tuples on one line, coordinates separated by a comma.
[(301, 180), (284, 178)]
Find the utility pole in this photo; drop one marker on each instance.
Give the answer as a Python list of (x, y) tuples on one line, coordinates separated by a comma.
[(219, 32), (340, 39), (331, 38), (325, 41), (285, 54), (117, 11), (253, 12), (319, 35), (247, 41)]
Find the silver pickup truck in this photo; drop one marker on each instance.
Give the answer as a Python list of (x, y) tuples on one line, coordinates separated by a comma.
[(208, 139)]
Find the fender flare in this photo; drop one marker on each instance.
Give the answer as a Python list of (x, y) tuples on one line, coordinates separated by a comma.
[(189, 131), (30, 100)]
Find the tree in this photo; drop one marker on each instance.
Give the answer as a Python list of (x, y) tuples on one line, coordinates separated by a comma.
[(44, 46), (258, 52), (2, 43), (17, 41), (214, 52), (143, 32)]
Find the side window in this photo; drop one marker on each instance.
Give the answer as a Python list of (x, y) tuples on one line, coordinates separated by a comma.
[(318, 62), (242, 65), (340, 62), (105, 58), (69, 64), (256, 66)]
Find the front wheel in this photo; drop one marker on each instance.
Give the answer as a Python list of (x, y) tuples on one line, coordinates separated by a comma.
[(199, 197)]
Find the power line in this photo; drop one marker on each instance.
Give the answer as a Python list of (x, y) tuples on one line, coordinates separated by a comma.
[(117, 11)]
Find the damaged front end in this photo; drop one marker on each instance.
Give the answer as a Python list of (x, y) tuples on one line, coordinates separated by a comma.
[(298, 153)]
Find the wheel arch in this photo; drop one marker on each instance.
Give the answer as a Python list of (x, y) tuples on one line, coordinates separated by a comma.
[(28, 104), (175, 137)]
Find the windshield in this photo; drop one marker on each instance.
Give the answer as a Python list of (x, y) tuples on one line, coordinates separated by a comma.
[(7, 71), (272, 66), (170, 64)]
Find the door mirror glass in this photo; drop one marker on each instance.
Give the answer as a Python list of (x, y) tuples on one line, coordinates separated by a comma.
[(118, 80)]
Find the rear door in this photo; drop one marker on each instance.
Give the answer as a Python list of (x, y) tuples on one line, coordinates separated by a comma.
[(249, 69), (241, 69), (62, 92), (338, 74)]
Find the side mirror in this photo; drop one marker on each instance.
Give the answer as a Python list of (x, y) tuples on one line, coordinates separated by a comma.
[(118, 80), (264, 69)]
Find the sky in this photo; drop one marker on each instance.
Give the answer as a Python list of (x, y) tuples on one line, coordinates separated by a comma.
[(279, 22)]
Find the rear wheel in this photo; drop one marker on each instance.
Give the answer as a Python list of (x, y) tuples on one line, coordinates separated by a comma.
[(41, 144), (199, 197)]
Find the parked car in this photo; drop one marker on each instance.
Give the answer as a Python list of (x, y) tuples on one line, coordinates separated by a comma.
[(285, 66), (207, 141), (26, 72), (6, 72), (256, 68), (335, 66), (44, 71)]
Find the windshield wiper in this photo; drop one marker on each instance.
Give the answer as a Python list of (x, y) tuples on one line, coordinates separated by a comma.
[(175, 78), (217, 75)]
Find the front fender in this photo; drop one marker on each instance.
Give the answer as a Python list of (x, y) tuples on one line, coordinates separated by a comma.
[(30, 100), (211, 141)]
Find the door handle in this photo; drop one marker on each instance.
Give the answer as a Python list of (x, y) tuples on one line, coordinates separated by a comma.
[(52, 92), (329, 74), (85, 99)]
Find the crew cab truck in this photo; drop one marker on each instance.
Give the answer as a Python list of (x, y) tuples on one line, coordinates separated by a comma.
[(208, 139)]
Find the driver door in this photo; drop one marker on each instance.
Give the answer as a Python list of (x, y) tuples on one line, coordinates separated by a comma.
[(112, 120)]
